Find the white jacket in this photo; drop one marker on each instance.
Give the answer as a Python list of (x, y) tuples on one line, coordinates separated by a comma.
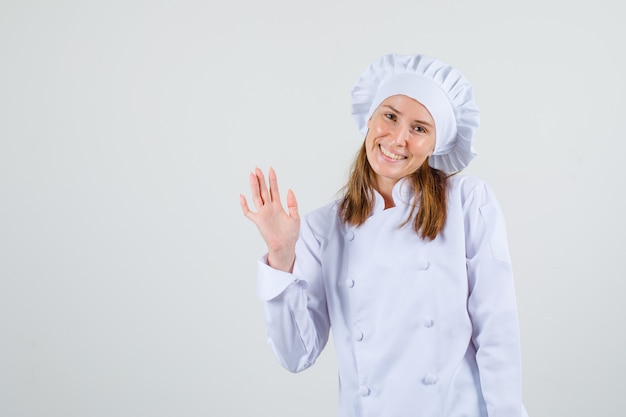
[(421, 328)]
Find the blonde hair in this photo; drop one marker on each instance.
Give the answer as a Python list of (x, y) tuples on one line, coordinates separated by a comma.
[(430, 198)]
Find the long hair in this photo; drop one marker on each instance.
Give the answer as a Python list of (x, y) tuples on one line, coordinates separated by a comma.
[(430, 199)]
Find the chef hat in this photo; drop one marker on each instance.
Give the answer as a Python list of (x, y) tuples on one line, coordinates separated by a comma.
[(443, 90)]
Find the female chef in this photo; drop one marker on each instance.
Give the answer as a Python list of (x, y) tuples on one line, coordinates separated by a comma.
[(410, 267)]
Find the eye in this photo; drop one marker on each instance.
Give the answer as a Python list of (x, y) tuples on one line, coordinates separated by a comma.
[(419, 129), (390, 116)]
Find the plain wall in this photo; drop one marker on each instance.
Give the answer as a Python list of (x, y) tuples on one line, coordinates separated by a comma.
[(127, 132)]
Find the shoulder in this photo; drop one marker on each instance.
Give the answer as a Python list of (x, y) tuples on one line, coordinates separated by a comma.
[(470, 189), (322, 214), (320, 222)]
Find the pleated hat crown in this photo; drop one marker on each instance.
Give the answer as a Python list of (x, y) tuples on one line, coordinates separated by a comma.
[(443, 90)]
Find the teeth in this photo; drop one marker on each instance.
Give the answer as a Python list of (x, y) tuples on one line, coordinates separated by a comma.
[(390, 154)]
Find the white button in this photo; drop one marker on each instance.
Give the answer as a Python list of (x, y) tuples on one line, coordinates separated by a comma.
[(364, 391), (350, 235), (424, 265), (429, 323), (430, 379), (350, 283), (358, 336)]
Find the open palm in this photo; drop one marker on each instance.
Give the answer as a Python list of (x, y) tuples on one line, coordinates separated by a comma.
[(279, 228)]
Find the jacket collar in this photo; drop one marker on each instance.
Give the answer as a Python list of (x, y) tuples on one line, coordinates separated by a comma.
[(402, 195)]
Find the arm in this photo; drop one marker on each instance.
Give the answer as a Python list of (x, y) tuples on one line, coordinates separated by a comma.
[(296, 313), (492, 304), (295, 306)]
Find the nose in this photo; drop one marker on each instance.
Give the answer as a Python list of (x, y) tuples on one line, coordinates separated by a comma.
[(399, 134)]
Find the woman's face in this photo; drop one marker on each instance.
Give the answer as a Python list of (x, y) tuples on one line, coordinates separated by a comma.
[(401, 134)]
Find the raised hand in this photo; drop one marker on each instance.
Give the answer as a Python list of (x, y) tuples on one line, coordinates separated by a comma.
[(279, 228)]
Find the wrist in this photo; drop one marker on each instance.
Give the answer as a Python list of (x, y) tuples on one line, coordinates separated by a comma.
[(281, 260)]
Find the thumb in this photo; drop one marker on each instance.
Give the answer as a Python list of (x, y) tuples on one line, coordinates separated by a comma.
[(292, 204)]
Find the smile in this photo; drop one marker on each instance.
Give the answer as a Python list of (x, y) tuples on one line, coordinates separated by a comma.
[(390, 154)]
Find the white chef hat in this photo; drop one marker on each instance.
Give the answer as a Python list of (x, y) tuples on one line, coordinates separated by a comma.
[(443, 90)]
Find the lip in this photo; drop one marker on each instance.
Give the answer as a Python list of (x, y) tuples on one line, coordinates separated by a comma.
[(389, 154)]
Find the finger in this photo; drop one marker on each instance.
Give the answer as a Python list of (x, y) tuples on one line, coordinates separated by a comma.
[(255, 191), (274, 193), (265, 195), (292, 204), (244, 206)]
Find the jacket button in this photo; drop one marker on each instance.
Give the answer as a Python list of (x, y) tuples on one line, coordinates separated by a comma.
[(429, 323), (350, 283), (350, 235), (364, 391), (358, 336), (430, 379)]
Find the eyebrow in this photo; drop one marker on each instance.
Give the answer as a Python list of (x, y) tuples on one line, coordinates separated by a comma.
[(400, 113)]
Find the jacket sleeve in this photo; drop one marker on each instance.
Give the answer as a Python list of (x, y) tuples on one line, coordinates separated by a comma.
[(295, 305), (492, 304)]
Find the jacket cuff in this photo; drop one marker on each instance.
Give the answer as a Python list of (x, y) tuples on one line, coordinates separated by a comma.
[(272, 282)]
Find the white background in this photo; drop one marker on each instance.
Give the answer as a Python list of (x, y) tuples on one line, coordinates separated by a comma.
[(128, 129)]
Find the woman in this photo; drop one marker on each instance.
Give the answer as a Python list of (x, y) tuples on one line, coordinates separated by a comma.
[(410, 267)]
